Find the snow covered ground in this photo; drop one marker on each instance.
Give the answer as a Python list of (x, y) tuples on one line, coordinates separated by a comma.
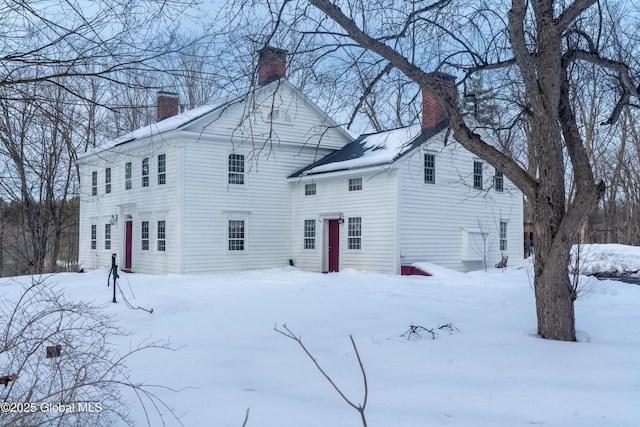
[(490, 370), (611, 259)]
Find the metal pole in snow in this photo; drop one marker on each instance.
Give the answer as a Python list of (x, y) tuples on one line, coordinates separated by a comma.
[(114, 271)]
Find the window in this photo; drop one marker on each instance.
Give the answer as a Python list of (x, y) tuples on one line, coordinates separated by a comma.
[(355, 233), (236, 235), (162, 226), (503, 235), (310, 189), (236, 169), (498, 181), (94, 183), (355, 184), (162, 169), (279, 116), (309, 233), (477, 175), (107, 180), (94, 236), (430, 168), (145, 172), (127, 176), (145, 235), (107, 236)]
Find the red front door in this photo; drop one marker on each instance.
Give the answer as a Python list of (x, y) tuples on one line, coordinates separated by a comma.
[(334, 245), (128, 235)]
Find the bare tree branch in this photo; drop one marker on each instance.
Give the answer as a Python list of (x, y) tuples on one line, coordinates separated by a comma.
[(285, 331), (572, 12)]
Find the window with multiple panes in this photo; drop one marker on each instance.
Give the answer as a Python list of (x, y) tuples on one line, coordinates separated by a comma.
[(309, 233), (107, 180), (162, 227), (498, 181), (503, 235), (127, 176), (310, 189), (145, 172), (354, 233), (107, 236), (236, 169), (144, 235), (430, 168), (94, 183), (477, 175), (355, 184), (162, 169), (94, 236), (236, 235)]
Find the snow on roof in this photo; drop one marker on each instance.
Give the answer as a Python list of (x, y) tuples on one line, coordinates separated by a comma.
[(175, 122), (166, 125), (373, 149)]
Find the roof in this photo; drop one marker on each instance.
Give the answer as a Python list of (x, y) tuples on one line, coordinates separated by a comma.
[(163, 126), (183, 119), (373, 149)]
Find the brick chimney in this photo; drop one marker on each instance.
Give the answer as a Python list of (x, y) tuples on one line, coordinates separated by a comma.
[(432, 111), (272, 65), (167, 105)]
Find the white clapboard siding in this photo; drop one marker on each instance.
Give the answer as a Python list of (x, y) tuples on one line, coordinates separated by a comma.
[(403, 219), (297, 121), (153, 203), (197, 202), (375, 204), (263, 202), (436, 219)]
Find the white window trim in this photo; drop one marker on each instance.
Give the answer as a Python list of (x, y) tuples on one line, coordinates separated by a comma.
[(148, 239), (128, 180), (304, 235), (504, 239), (94, 237), (277, 115), (144, 182), (107, 236), (158, 239), (162, 174), (349, 236), (361, 184), (243, 173), (424, 168), (245, 238), (315, 189), (481, 187), (495, 181), (94, 183), (107, 180)]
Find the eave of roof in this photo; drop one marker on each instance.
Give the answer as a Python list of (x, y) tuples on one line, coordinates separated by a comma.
[(182, 120), (362, 153), (167, 125)]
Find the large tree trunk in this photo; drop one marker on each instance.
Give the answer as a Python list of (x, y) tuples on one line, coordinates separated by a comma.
[(554, 302), (553, 289), (554, 141), (553, 129)]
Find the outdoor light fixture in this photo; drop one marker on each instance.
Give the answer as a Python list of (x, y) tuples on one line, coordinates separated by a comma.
[(114, 219), (341, 219)]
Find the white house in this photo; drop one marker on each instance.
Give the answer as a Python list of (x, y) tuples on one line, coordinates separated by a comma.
[(270, 180)]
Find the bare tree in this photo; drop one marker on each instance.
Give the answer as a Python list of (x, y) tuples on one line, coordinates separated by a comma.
[(47, 40), (533, 49), (63, 65), (360, 407), (60, 368)]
